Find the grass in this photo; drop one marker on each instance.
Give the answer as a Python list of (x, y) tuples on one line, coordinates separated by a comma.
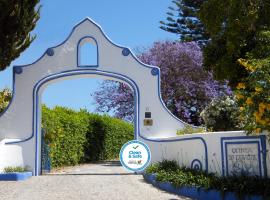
[(169, 171)]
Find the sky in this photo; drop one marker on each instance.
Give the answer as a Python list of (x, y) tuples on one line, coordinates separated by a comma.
[(133, 24)]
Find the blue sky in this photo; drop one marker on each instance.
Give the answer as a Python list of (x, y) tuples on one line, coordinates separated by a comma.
[(134, 24)]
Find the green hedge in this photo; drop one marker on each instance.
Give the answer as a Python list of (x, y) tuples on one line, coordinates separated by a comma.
[(79, 136)]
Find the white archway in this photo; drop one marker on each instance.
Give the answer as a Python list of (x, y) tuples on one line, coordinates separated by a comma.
[(155, 125)]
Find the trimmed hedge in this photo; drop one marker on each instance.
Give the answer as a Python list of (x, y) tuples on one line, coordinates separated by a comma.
[(79, 136)]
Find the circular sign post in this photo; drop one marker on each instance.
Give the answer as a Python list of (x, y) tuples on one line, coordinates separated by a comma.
[(135, 156)]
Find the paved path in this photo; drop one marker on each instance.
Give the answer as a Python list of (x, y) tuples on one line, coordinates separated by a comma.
[(92, 181)]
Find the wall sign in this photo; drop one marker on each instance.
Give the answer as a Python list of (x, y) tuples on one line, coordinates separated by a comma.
[(242, 156), (135, 155)]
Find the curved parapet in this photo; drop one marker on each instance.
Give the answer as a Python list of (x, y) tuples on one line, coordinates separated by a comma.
[(20, 123), (115, 61)]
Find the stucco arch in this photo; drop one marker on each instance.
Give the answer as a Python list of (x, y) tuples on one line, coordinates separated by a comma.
[(19, 123)]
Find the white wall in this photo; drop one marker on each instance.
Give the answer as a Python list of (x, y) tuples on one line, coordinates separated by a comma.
[(21, 121)]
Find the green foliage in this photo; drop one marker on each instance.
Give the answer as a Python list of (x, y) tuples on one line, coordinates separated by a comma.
[(5, 97), (14, 169), (65, 131), (183, 19), (222, 114), (17, 19), (233, 26), (78, 136), (188, 129), (105, 137), (253, 92), (169, 171)]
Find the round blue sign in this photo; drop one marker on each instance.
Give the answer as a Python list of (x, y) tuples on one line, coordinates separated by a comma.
[(135, 155)]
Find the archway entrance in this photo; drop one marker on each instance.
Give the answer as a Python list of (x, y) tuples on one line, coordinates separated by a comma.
[(154, 123), (76, 74)]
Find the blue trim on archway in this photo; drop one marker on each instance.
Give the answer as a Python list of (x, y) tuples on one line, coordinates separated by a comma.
[(155, 69), (76, 73)]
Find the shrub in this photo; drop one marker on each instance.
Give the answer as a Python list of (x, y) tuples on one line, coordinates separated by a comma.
[(169, 171), (253, 95), (65, 131), (5, 97), (79, 136), (222, 114), (105, 137)]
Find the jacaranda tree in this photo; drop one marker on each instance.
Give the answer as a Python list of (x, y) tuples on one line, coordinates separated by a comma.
[(186, 88)]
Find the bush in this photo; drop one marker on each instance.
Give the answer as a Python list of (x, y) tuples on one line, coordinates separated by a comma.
[(79, 136), (5, 97), (253, 95), (222, 114), (65, 131), (169, 171), (106, 136)]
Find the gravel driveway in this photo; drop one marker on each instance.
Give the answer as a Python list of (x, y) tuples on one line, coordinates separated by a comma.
[(107, 180)]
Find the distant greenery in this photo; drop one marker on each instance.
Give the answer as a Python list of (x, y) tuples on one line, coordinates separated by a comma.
[(169, 171), (79, 136), (188, 129), (14, 169)]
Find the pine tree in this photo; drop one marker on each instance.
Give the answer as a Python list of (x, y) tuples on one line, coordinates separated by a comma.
[(17, 19), (183, 20)]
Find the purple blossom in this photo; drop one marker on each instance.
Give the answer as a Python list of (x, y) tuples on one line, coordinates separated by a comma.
[(186, 88)]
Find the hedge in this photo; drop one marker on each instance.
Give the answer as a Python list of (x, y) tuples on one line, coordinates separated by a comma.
[(79, 136)]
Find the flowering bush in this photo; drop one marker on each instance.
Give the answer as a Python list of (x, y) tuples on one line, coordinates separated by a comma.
[(253, 92), (5, 97), (254, 97), (222, 114)]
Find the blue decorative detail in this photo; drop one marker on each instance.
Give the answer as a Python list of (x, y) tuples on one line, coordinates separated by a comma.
[(15, 176), (50, 52), (37, 87), (154, 71), (78, 51), (245, 140), (114, 75), (17, 69), (196, 165), (125, 52), (132, 142)]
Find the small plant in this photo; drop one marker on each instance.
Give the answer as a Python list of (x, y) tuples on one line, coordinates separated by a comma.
[(188, 129), (14, 169)]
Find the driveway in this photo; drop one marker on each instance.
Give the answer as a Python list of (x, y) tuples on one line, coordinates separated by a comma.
[(105, 180)]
